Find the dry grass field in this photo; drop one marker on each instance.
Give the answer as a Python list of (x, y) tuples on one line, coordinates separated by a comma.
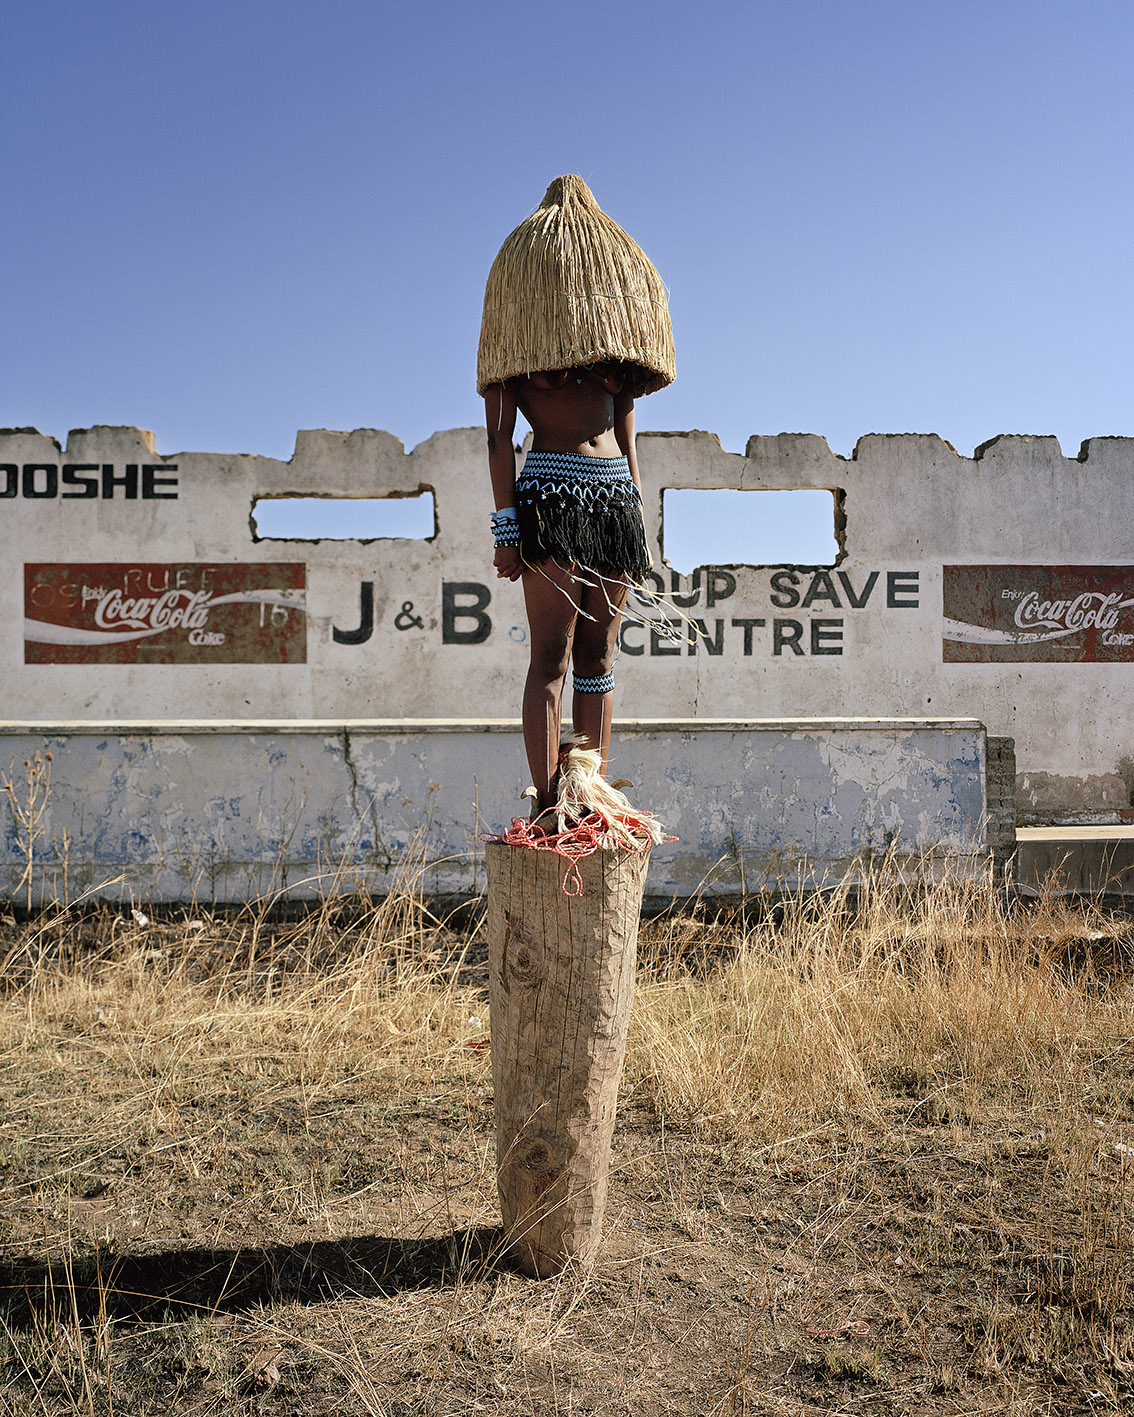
[(874, 1155)]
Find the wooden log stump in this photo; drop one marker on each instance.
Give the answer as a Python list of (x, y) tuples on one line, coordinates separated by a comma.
[(561, 982)]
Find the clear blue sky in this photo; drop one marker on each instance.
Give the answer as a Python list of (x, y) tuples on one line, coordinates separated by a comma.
[(228, 221)]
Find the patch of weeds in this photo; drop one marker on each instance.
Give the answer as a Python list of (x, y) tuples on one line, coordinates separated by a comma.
[(843, 1363), (946, 1378), (200, 1352), (1004, 1338)]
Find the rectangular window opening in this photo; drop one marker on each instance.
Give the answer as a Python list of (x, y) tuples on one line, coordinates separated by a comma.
[(728, 527), (343, 518)]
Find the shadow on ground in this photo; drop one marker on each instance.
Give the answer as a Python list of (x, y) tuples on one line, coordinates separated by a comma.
[(177, 1283)]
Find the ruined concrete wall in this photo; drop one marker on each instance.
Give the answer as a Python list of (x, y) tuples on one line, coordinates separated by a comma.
[(999, 587)]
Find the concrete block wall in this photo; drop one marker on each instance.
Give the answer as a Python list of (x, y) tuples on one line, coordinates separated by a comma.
[(1001, 803)]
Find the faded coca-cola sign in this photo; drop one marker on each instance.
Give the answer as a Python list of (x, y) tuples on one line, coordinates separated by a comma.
[(167, 611), (1038, 613), (188, 613)]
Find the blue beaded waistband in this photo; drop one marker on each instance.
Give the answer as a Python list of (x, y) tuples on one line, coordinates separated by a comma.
[(573, 474)]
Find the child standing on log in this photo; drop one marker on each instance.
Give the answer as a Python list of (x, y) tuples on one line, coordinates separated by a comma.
[(575, 327)]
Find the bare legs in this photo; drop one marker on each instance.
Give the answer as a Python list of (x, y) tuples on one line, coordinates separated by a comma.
[(560, 636), (552, 605), (595, 644)]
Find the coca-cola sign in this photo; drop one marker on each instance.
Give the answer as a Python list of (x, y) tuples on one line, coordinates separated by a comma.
[(1038, 613), (163, 613)]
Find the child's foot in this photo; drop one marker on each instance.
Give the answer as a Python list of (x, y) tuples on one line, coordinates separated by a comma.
[(541, 820)]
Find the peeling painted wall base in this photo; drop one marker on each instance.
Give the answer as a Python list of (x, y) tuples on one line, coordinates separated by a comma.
[(210, 811), (1044, 798)]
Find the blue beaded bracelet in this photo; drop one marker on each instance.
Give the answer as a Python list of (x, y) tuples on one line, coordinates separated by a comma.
[(505, 527)]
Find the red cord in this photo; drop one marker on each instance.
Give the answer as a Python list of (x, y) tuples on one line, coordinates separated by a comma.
[(582, 839), (857, 1328)]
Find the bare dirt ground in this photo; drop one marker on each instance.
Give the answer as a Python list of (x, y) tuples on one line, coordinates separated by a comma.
[(870, 1166)]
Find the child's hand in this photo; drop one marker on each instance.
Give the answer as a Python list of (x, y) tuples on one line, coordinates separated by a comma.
[(508, 564)]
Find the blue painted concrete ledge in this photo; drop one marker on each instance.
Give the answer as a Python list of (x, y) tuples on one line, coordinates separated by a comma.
[(220, 811)]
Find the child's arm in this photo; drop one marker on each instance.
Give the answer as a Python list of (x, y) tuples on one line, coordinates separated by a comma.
[(500, 420), (624, 432)]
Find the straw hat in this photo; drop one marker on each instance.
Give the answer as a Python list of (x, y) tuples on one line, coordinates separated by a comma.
[(569, 287)]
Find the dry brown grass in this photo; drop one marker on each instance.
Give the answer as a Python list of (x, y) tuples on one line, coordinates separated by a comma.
[(759, 1031), (246, 1165)]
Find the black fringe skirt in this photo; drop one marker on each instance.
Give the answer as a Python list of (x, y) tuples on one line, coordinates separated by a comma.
[(581, 512)]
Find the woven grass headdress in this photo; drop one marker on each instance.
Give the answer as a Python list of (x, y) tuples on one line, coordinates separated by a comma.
[(569, 287)]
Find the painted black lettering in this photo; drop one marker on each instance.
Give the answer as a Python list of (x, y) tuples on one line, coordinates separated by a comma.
[(50, 479), (662, 646), (719, 585), (821, 588), (365, 619), (900, 587), (627, 647), (685, 601), (128, 481), (11, 483), (748, 625), (151, 482), (826, 637), (701, 636), (451, 612), (785, 596), (858, 601), (787, 634), (81, 487)]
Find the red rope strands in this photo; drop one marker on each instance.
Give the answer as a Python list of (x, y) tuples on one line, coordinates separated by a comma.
[(856, 1328), (582, 839)]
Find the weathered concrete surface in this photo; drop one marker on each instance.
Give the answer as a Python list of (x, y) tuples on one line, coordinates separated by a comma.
[(420, 629), (1044, 797), (1095, 860), (213, 811)]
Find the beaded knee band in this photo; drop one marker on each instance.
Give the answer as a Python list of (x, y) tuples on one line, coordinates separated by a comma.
[(593, 683)]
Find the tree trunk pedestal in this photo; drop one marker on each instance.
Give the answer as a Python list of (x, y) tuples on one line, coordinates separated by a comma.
[(561, 982)]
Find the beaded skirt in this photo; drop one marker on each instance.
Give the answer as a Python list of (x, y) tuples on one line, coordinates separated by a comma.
[(581, 511)]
